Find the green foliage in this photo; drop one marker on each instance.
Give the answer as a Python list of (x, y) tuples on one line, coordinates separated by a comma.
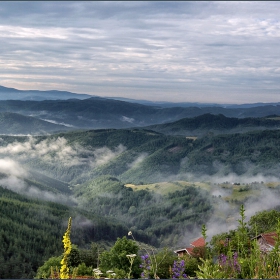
[(44, 271), (184, 209), (117, 258), (82, 269), (191, 266), (31, 231), (164, 259), (209, 270), (264, 221)]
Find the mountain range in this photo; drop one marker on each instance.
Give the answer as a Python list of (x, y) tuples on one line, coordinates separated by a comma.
[(100, 113)]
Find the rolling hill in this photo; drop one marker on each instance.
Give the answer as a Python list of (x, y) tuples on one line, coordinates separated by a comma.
[(13, 123), (127, 179), (137, 155), (216, 124)]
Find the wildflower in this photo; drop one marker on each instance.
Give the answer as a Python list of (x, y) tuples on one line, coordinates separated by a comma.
[(178, 269), (146, 266), (64, 270), (131, 260), (129, 233), (97, 272), (131, 256)]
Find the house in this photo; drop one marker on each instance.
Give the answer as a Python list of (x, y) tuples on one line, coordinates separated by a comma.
[(196, 244), (266, 241)]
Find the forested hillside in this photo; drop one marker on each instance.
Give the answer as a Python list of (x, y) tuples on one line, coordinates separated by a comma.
[(216, 124), (161, 187), (165, 218), (31, 231), (13, 123), (144, 156)]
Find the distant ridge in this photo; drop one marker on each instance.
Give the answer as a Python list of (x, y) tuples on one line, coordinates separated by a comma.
[(38, 95), (7, 93), (165, 104)]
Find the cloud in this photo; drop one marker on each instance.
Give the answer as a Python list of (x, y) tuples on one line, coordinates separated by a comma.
[(17, 185), (104, 155), (13, 179), (8, 166), (55, 151), (51, 121), (138, 160), (178, 51)]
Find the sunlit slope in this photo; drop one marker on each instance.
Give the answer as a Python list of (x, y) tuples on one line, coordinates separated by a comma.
[(165, 217)]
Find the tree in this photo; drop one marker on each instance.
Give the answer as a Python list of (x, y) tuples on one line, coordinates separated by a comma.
[(264, 221), (118, 257), (44, 271), (165, 259)]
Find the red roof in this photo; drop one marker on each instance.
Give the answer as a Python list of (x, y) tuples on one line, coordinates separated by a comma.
[(200, 242), (270, 237), (189, 251)]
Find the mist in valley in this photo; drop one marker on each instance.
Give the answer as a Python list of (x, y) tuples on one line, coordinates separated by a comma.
[(61, 157)]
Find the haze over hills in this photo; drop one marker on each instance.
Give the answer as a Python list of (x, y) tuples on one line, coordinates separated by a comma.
[(165, 104), (99, 113), (39, 95), (136, 155), (15, 94)]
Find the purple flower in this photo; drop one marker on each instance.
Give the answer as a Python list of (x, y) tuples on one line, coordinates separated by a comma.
[(230, 264), (178, 269), (145, 266)]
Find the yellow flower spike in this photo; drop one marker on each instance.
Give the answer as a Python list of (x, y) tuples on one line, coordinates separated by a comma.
[(64, 270)]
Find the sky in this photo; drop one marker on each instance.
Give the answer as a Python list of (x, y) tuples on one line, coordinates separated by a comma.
[(185, 51)]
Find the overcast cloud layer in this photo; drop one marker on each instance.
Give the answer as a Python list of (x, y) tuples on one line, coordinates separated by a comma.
[(224, 52)]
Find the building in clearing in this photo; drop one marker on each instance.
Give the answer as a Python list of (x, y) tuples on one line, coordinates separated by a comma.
[(197, 243), (266, 241)]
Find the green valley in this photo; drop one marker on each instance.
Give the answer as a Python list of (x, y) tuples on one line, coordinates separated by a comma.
[(161, 186)]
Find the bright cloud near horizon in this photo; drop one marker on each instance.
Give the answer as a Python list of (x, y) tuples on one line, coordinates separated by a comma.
[(185, 51)]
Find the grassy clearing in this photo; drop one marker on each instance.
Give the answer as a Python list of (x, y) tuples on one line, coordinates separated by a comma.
[(192, 137), (237, 193), (169, 187), (272, 185), (240, 195), (274, 118)]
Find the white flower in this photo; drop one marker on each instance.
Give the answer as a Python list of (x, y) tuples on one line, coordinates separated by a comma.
[(97, 271), (129, 233)]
